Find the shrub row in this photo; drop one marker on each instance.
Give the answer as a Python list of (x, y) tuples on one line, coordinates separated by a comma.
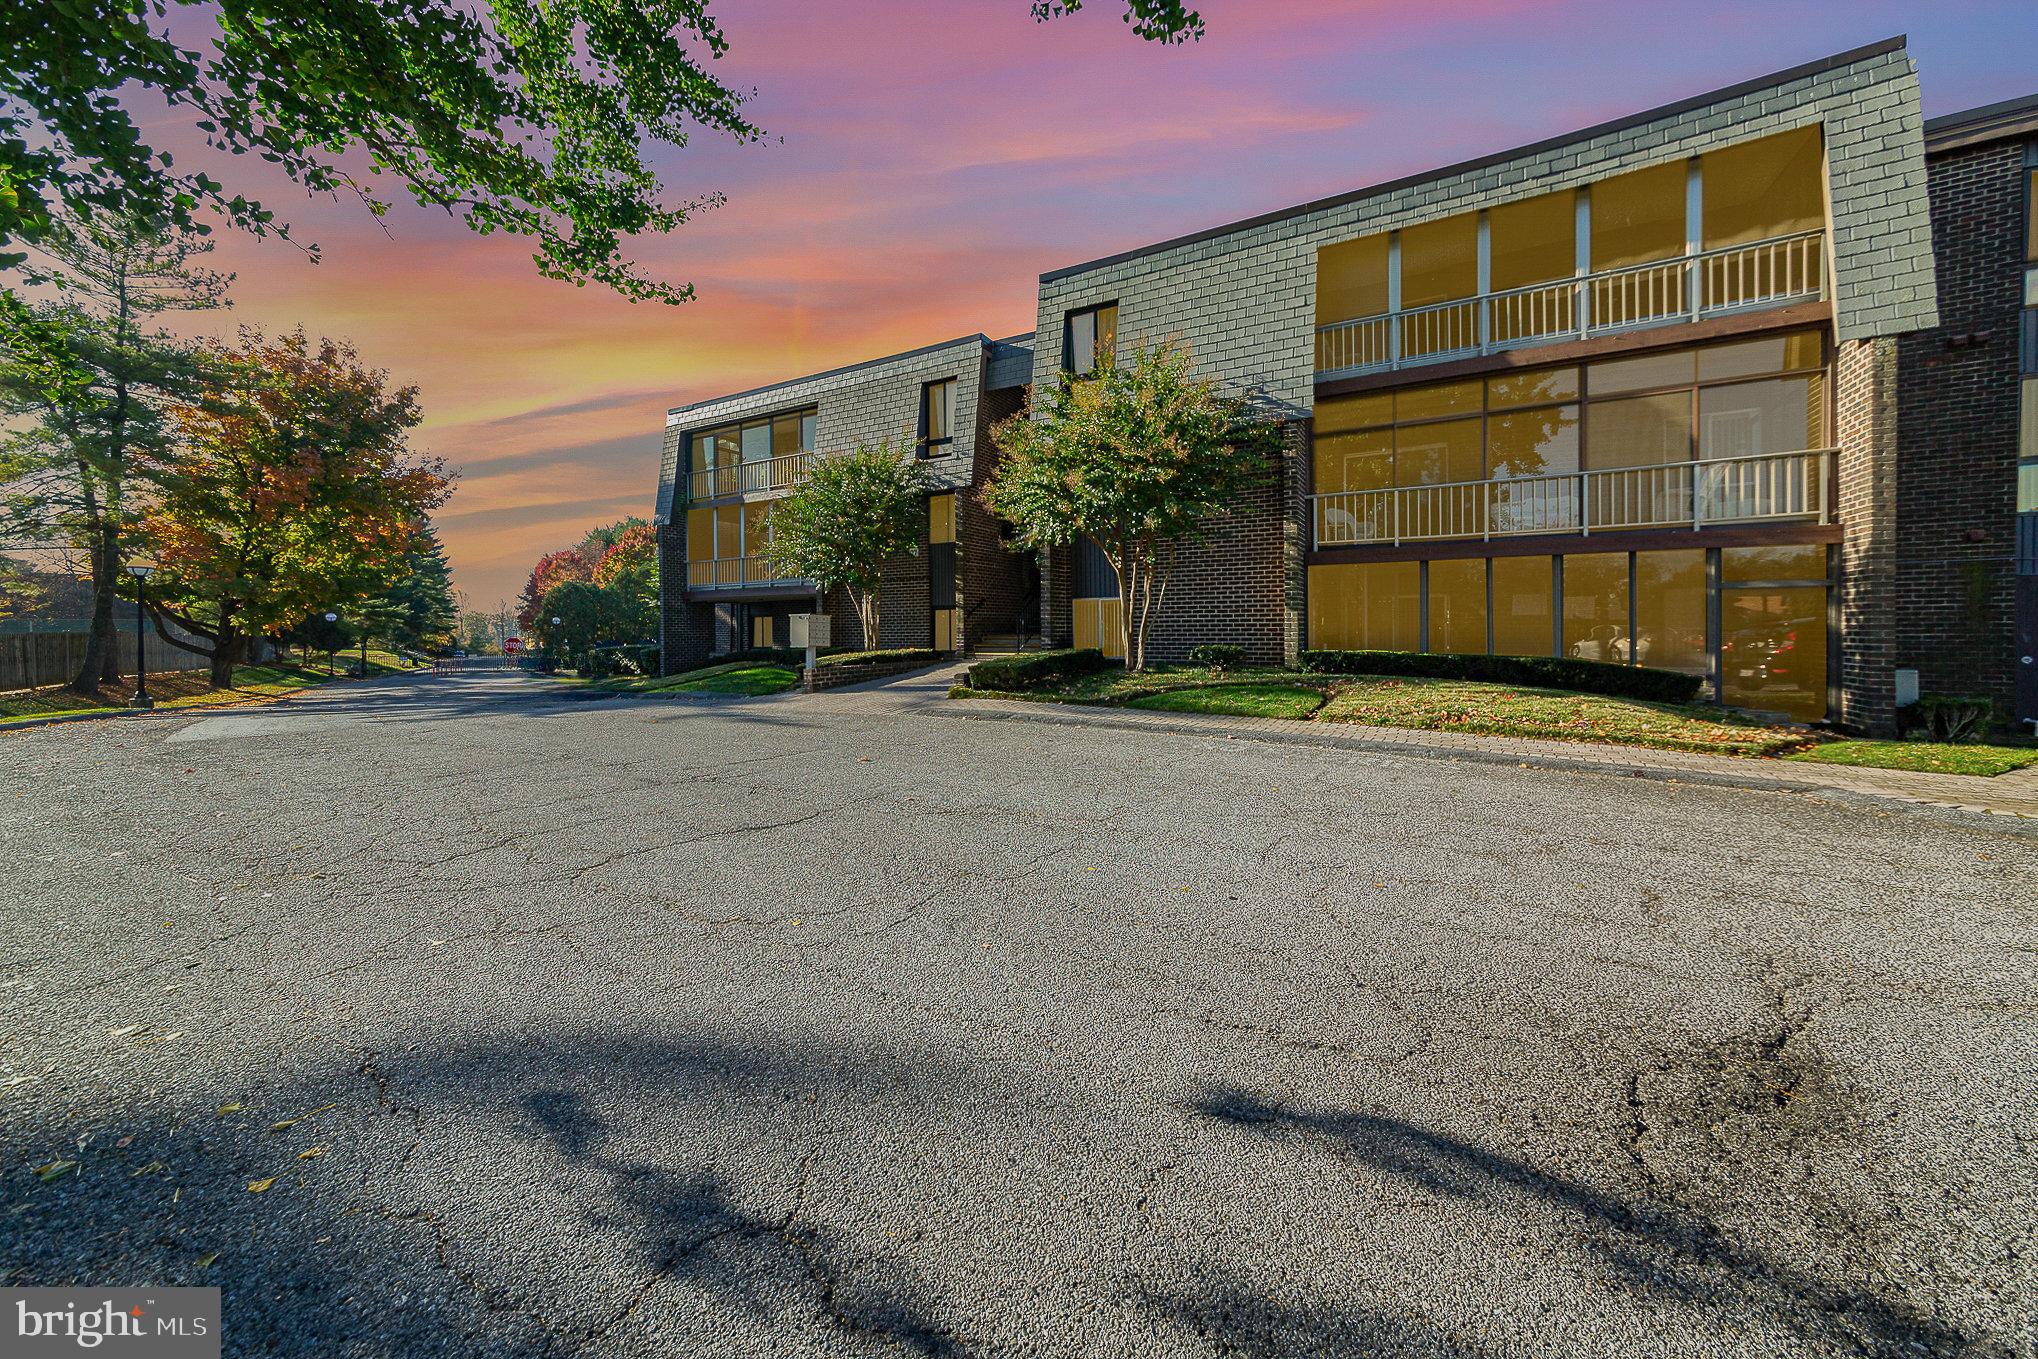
[(1544, 672), (1033, 669), (1947, 717), (902, 655)]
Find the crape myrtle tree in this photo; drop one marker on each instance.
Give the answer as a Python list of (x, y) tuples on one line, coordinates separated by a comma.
[(72, 434), (629, 568), (1137, 457), (293, 491), (553, 569), (855, 512)]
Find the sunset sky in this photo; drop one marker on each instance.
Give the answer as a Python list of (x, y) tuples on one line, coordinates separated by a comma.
[(929, 158)]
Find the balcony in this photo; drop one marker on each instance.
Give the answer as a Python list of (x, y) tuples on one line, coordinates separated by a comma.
[(1777, 272), (1772, 487), (736, 573), (765, 476)]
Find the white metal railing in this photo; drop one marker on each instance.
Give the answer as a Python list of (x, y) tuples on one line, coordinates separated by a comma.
[(729, 572), (781, 473), (1671, 495), (1767, 273)]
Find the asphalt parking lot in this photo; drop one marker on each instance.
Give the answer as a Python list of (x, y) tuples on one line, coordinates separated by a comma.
[(448, 1017)]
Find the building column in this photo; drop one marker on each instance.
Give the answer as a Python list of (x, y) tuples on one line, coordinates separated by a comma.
[(1864, 374), (685, 630), (1297, 529)]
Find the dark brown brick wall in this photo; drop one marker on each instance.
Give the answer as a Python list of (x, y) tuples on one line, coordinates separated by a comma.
[(686, 631), (1000, 586), (1957, 429), (1864, 379)]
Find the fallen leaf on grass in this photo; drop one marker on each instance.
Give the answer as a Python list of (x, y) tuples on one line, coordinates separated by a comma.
[(124, 1032), (54, 1170), (149, 1169), (323, 1108), (310, 1152), (280, 1124), (260, 1186), (226, 1109), (205, 1261)]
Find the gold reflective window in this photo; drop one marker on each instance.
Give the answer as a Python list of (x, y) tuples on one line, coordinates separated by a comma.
[(1538, 388), (1596, 607), (1773, 186), (1521, 606), (1756, 358), (785, 435), (1773, 650), (1440, 260), (1532, 443), (1441, 451), (1670, 610), (1669, 368), (1366, 607), (700, 534), (1638, 431), (1792, 561), (1355, 462), (1340, 413), (1457, 606), (756, 527), (1638, 217), (1351, 279), (1747, 419), (941, 518), (1533, 241), (1437, 400), (729, 531)]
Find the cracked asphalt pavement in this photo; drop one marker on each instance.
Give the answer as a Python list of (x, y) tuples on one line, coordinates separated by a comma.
[(449, 1017)]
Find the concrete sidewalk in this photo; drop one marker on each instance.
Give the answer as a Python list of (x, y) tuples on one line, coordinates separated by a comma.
[(2010, 795)]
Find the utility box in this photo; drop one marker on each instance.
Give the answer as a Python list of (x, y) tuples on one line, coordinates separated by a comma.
[(811, 630), (1906, 688)]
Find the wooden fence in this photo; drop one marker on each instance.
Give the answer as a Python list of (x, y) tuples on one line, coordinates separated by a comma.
[(29, 660)]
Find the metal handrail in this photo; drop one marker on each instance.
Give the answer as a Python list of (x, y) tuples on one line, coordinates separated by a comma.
[(711, 573), (780, 473), (1766, 273), (1770, 486)]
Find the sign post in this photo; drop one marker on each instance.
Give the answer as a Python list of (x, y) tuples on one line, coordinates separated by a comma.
[(810, 630)]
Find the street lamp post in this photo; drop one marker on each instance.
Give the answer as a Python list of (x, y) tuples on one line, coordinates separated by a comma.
[(554, 642), (331, 620), (141, 697)]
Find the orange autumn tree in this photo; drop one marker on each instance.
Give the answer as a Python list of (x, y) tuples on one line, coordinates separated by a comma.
[(293, 490)]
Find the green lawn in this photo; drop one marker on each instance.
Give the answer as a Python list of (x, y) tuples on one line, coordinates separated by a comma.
[(1238, 700), (192, 689), (1552, 714), (740, 678), (1925, 756)]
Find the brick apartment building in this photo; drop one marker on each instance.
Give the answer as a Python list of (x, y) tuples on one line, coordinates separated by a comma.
[(1743, 385)]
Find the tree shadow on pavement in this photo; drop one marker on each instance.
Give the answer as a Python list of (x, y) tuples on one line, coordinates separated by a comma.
[(1650, 1245)]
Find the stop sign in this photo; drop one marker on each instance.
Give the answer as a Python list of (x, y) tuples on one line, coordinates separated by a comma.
[(512, 645)]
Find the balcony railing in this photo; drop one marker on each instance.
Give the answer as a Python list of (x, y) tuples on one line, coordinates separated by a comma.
[(1769, 273), (728, 573), (1777, 486), (781, 473)]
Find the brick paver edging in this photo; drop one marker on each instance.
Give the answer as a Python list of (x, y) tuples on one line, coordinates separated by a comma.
[(2017, 799)]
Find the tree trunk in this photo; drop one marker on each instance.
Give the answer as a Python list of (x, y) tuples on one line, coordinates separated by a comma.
[(226, 654), (109, 667), (99, 662)]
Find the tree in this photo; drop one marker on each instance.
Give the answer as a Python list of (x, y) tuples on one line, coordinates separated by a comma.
[(1161, 21), (1136, 458), (67, 464), (295, 492), (588, 615), (553, 569), (420, 614), (630, 568), (855, 512)]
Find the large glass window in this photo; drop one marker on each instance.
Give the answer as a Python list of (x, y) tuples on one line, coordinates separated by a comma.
[(1438, 451), (1351, 279), (1366, 606), (1639, 431), (1440, 260), (2027, 450), (1596, 607), (1773, 650), (937, 418), (756, 441), (1773, 186), (1522, 602), (1457, 606), (1533, 241), (1670, 610), (1090, 338), (700, 534), (1746, 419), (1638, 217)]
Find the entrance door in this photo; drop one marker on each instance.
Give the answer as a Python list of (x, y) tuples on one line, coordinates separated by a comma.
[(941, 573)]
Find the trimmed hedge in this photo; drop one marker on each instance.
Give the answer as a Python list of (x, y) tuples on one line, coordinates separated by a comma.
[(1947, 717), (1542, 672), (903, 655), (1032, 669), (1219, 657)]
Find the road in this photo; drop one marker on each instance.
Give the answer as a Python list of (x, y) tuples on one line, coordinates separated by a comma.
[(452, 1017)]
